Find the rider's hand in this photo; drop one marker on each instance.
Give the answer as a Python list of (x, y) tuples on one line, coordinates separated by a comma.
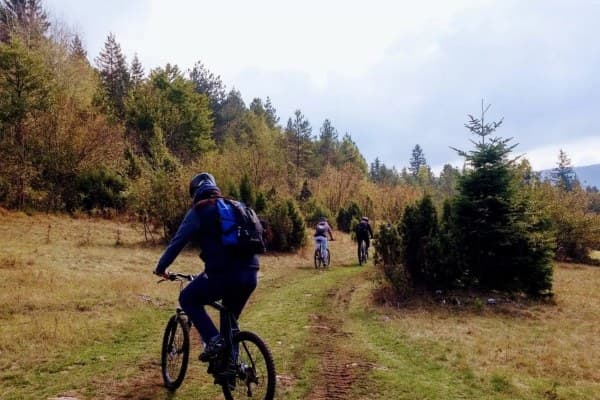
[(164, 275)]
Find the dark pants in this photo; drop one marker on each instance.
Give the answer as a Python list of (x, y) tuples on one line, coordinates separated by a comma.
[(233, 288), (365, 239)]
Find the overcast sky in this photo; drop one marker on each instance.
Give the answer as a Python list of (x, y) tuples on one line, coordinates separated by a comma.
[(392, 74)]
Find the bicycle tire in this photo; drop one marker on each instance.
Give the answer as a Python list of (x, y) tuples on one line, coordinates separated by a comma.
[(327, 259), (362, 253), (255, 378), (175, 352), (318, 259)]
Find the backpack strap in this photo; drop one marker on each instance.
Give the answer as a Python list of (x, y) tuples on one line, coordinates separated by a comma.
[(204, 202)]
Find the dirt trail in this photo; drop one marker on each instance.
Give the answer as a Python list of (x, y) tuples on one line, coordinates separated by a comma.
[(341, 369)]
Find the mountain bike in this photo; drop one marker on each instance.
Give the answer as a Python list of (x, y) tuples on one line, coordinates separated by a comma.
[(363, 252), (322, 260), (245, 368)]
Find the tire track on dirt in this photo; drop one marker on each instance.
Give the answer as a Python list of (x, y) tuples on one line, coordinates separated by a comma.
[(341, 369)]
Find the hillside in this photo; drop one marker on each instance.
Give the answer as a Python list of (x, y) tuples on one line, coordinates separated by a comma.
[(588, 175), (83, 317)]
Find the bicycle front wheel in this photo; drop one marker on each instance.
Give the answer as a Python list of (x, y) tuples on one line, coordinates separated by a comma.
[(175, 352), (255, 377), (318, 259), (327, 258)]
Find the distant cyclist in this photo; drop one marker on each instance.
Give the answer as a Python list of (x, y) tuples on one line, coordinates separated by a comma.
[(321, 231), (364, 233)]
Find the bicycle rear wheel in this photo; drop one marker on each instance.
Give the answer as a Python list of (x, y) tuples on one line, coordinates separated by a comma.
[(318, 259), (175, 352), (362, 253), (327, 258), (255, 377)]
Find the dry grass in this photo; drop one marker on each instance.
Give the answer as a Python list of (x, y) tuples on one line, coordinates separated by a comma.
[(65, 282), (67, 285), (524, 342)]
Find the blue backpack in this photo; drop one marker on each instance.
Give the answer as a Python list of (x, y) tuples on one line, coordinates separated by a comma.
[(241, 229)]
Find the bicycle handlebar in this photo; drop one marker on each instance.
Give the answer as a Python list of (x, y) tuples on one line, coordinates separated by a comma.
[(176, 276)]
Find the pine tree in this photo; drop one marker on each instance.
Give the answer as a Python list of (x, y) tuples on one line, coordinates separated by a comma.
[(417, 161), (23, 18), (299, 134), (374, 171), (208, 84), (77, 50), (256, 106), (448, 180), (246, 193), (26, 87), (136, 72), (305, 192), (230, 113), (114, 75), (350, 154), (500, 241), (328, 142), (271, 113), (563, 176)]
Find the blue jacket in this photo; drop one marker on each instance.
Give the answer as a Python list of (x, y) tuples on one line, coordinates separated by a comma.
[(201, 224)]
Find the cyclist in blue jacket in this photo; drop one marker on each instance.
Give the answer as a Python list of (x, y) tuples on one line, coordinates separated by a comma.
[(227, 277)]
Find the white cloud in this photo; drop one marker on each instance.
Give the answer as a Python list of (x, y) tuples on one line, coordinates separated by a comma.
[(581, 152), (392, 74)]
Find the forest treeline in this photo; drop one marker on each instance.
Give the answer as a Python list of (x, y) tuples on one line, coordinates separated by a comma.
[(107, 136)]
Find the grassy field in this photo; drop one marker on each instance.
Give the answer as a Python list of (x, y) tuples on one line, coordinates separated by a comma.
[(83, 317)]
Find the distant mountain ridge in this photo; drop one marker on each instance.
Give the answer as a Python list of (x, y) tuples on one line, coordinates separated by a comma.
[(588, 175)]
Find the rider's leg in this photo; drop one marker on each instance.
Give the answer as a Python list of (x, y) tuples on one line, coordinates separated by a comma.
[(192, 300), (317, 243), (240, 286)]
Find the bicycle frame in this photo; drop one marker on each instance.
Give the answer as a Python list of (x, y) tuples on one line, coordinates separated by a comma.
[(228, 325), (239, 348)]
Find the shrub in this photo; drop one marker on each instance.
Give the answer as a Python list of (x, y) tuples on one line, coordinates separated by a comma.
[(160, 199), (345, 216), (286, 225), (419, 232), (388, 256), (100, 188), (313, 210)]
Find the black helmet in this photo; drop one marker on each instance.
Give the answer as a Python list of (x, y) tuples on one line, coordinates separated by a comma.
[(201, 183)]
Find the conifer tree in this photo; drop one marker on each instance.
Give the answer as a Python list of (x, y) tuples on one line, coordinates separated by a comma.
[(26, 88), (23, 18), (298, 134), (271, 113), (256, 106), (349, 153), (77, 50), (137, 71), (417, 161), (563, 176), (499, 236), (114, 75), (208, 84), (328, 142)]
